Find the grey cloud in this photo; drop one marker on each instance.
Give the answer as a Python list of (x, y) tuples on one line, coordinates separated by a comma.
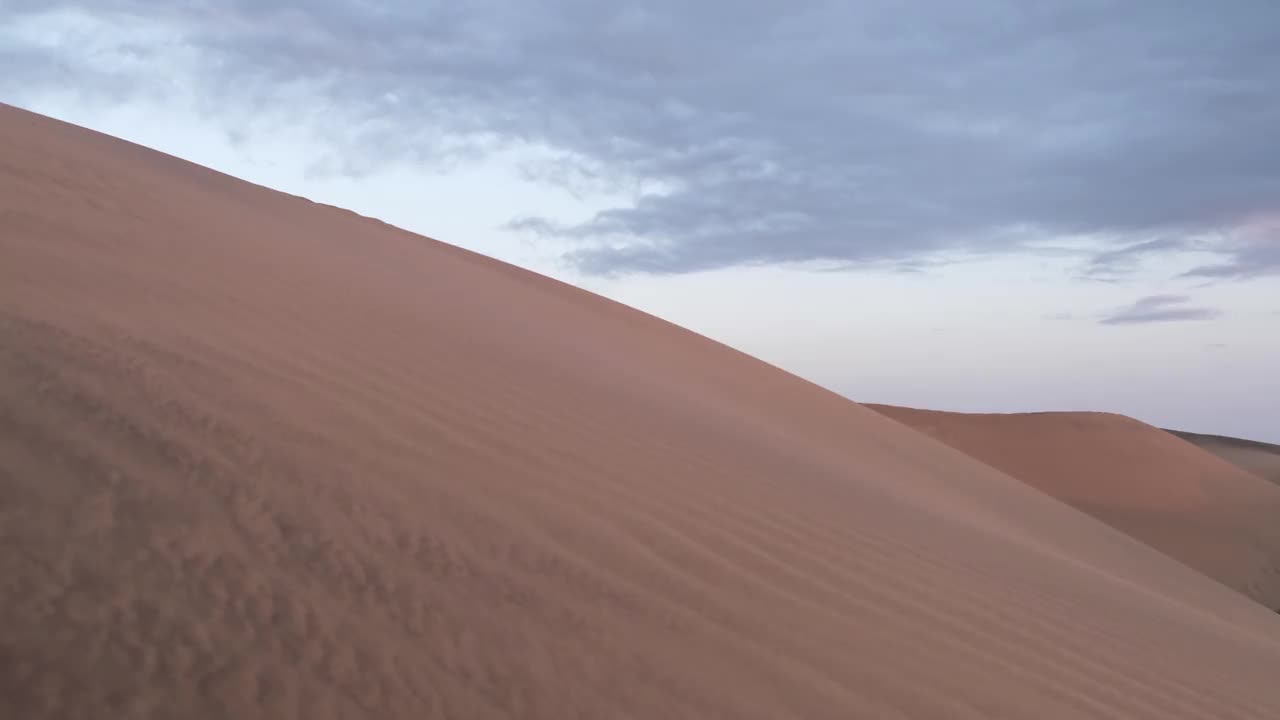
[(1124, 259), (1251, 258), (1159, 308), (823, 131)]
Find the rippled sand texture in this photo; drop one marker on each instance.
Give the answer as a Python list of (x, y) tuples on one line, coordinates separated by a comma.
[(262, 458)]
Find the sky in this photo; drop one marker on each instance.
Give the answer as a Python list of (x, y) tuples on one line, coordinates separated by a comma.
[(990, 205)]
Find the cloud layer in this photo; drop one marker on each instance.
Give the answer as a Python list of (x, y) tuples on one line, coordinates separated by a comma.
[(1159, 308), (773, 131)]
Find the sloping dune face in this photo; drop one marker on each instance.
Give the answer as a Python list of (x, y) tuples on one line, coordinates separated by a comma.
[(261, 458), (1184, 501), (1258, 458)]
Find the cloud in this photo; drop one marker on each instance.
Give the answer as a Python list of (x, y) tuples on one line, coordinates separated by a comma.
[(822, 131), (1254, 252), (1123, 260), (1159, 308)]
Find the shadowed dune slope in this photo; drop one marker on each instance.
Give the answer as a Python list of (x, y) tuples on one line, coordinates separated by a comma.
[(1185, 502), (263, 458), (1261, 459)]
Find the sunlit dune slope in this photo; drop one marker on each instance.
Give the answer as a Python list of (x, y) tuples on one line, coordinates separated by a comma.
[(262, 458), (1259, 458), (1184, 501)]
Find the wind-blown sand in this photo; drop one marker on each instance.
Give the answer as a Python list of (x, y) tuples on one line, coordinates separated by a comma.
[(1259, 458), (262, 458), (1179, 499)]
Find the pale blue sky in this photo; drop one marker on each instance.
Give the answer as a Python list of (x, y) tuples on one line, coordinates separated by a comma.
[(986, 209)]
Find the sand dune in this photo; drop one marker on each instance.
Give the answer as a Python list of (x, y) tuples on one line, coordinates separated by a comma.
[(1188, 503), (1259, 458), (263, 458)]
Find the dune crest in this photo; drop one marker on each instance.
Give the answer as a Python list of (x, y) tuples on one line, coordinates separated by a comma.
[(263, 458), (1181, 500)]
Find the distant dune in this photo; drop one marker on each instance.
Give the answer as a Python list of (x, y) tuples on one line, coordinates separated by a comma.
[(1261, 459), (264, 458), (1185, 502)]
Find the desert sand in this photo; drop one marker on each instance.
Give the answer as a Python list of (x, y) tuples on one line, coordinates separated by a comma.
[(264, 458), (1178, 498), (1261, 459)]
